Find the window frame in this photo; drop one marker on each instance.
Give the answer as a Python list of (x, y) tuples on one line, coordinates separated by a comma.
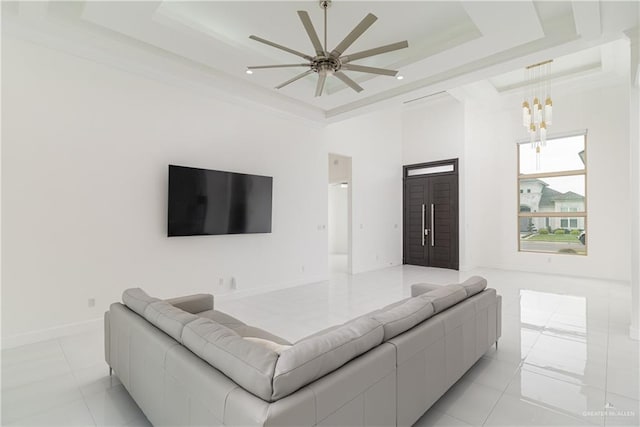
[(541, 175)]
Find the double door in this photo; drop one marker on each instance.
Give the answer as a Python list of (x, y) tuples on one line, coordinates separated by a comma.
[(431, 214)]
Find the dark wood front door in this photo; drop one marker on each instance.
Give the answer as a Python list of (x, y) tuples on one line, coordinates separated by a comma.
[(431, 214)]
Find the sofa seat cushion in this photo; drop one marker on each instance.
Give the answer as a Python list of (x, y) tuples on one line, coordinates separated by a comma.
[(137, 300), (168, 318), (240, 327), (249, 364), (445, 297), (402, 317), (314, 357)]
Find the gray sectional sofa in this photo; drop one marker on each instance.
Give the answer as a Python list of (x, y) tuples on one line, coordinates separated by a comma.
[(186, 364)]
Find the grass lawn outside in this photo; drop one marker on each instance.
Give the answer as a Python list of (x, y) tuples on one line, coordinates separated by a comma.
[(553, 238)]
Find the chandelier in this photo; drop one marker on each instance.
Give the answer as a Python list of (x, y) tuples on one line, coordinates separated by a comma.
[(537, 107)]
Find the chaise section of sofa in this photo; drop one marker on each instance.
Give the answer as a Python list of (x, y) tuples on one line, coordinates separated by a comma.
[(187, 364)]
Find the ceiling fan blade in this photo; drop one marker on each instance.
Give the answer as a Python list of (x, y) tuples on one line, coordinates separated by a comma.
[(372, 70), (298, 77), (257, 67), (346, 80), (354, 34), (277, 46), (322, 77), (375, 51), (313, 36)]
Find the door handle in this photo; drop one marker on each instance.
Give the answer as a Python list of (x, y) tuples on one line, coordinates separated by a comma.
[(433, 230), (422, 233)]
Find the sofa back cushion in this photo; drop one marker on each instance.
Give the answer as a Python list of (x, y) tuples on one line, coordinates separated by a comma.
[(249, 364), (313, 357), (402, 317), (137, 300), (474, 285), (168, 318), (445, 297)]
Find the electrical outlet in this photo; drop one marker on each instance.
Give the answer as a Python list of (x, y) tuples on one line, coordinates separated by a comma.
[(91, 302)]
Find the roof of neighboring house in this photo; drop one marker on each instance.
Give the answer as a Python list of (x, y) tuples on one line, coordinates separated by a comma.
[(549, 195), (533, 180), (569, 195)]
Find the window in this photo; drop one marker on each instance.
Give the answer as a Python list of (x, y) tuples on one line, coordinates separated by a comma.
[(552, 205), (430, 170)]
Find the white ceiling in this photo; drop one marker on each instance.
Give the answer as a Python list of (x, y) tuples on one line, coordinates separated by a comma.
[(451, 43)]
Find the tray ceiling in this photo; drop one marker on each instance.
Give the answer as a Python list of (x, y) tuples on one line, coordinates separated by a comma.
[(207, 43)]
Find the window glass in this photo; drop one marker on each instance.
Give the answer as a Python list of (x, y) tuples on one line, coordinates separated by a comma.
[(562, 154), (552, 202), (554, 194), (430, 170), (553, 235)]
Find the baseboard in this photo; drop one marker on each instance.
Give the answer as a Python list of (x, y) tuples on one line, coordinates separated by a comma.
[(532, 269), (96, 324), (264, 289), (466, 267), (51, 333)]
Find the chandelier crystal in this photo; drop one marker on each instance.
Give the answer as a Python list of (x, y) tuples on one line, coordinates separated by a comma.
[(536, 116)]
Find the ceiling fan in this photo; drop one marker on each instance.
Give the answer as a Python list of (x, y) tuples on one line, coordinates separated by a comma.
[(327, 63)]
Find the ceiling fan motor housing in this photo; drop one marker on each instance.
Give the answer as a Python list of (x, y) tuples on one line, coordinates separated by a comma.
[(328, 64)]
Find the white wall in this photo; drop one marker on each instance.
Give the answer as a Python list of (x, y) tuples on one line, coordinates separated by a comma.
[(433, 131), (374, 143), (337, 224), (85, 155), (436, 131), (634, 165), (489, 187), (84, 167), (607, 183)]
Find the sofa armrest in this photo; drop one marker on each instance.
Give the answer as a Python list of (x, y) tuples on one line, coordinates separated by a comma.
[(423, 288), (193, 303)]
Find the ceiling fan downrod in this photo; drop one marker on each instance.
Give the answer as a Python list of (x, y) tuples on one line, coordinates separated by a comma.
[(325, 4)]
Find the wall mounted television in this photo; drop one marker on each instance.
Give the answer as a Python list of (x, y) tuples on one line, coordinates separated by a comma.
[(210, 202)]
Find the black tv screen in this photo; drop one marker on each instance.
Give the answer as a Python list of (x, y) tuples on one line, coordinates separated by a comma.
[(206, 202)]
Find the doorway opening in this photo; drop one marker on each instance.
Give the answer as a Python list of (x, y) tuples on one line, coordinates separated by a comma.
[(339, 214)]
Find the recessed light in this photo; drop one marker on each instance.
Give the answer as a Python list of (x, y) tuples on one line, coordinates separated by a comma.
[(249, 71), (399, 77)]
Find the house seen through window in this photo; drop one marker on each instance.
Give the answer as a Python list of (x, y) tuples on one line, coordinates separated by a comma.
[(552, 205)]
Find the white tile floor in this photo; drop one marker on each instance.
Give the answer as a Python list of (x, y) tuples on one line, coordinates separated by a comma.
[(564, 357)]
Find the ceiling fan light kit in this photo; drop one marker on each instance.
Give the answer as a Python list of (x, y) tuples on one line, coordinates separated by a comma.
[(332, 63)]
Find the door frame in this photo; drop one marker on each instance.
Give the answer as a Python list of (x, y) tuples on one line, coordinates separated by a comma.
[(406, 177), (349, 181)]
